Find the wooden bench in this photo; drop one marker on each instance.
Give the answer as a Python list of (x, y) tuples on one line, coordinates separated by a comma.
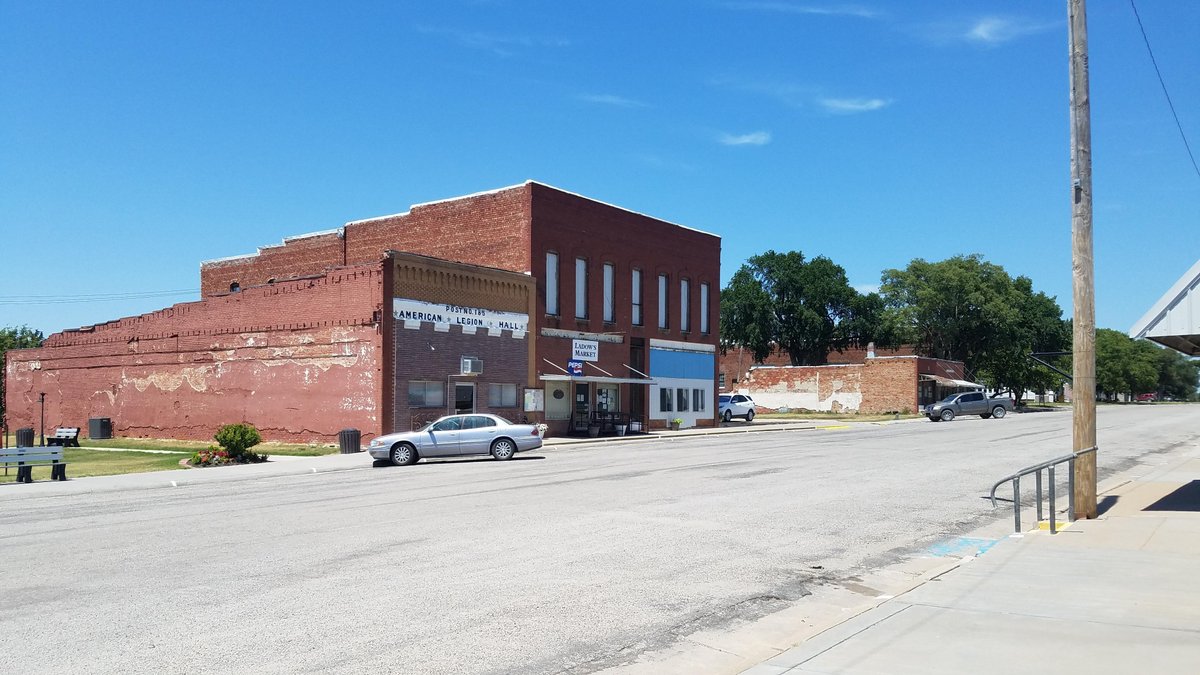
[(67, 437), (24, 459)]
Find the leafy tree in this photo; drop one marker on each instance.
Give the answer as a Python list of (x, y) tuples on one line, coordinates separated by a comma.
[(805, 307), (967, 309), (15, 338), (237, 439), (1178, 376), (1124, 365)]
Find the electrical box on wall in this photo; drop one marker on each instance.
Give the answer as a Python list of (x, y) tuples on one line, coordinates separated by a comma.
[(471, 366)]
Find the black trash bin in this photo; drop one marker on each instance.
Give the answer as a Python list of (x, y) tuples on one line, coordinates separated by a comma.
[(350, 441), (99, 428), (25, 437)]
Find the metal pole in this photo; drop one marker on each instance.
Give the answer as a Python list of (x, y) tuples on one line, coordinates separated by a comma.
[(1053, 528), (1017, 503), (1084, 334), (42, 430), (1071, 490), (1038, 491)]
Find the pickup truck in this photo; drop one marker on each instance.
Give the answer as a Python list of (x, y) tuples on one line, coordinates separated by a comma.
[(969, 403)]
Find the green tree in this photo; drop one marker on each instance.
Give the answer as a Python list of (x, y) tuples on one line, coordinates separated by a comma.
[(805, 307), (1178, 375), (1125, 366), (967, 309), (21, 337)]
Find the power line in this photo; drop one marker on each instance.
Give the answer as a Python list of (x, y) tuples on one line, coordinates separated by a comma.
[(1164, 88), (93, 297)]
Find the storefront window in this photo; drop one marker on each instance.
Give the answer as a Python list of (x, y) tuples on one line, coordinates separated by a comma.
[(698, 400), (683, 399), (664, 400), (423, 394), (502, 395)]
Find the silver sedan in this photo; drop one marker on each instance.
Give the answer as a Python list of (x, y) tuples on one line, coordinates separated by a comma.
[(457, 436)]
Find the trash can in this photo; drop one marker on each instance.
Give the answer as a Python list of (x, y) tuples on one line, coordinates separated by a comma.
[(350, 441), (99, 427), (25, 437)]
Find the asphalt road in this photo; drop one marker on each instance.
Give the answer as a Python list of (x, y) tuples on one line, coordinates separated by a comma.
[(571, 560)]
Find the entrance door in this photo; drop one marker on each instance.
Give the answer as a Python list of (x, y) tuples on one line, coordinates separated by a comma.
[(464, 398), (583, 406)]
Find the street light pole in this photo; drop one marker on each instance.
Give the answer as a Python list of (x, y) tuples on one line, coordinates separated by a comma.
[(1083, 384), (42, 431)]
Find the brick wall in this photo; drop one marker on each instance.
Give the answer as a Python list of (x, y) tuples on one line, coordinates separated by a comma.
[(490, 229), (879, 385), (300, 360)]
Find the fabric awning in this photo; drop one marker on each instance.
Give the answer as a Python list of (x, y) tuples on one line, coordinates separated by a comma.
[(596, 378), (950, 382)]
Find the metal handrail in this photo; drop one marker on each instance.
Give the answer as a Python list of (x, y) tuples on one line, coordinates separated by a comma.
[(1036, 469)]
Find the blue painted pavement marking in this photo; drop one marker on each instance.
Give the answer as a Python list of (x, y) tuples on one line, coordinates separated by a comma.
[(962, 546)]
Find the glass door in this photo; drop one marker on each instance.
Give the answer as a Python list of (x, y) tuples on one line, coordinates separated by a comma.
[(464, 398)]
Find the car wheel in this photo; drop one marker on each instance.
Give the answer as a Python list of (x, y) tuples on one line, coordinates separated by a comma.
[(404, 454), (999, 411), (934, 418), (985, 415), (503, 449), (727, 416), (947, 415), (749, 415)]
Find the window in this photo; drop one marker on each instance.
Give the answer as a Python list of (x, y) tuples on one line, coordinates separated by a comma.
[(685, 287), (698, 400), (552, 283), (235, 287), (609, 307), (662, 301), (502, 396), (448, 424), (682, 394), (664, 399), (704, 308), (581, 288), (422, 394), (721, 380), (637, 297), (478, 422)]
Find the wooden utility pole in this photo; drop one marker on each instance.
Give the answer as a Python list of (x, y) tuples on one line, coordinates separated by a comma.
[(1083, 384)]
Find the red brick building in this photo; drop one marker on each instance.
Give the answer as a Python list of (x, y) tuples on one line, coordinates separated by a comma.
[(335, 329)]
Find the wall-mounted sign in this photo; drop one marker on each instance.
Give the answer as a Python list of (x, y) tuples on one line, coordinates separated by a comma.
[(585, 350), (575, 368), (404, 309)]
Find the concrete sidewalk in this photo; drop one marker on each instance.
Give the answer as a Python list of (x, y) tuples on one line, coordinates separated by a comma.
[(1118, 594)]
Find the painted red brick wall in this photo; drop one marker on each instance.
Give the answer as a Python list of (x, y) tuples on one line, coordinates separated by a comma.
[(300, 360), (889, 385)]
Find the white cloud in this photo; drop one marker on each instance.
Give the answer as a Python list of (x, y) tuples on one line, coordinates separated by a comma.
[(810, 9), (613, 100), (993, 30), (496, 43), (848, 106), (753, 138)]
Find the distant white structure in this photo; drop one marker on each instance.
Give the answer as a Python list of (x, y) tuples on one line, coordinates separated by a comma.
[(1174, 321)]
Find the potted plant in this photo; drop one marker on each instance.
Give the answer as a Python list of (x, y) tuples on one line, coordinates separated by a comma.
[(676, 423), (621, 429), (593, 430), (542, 429)]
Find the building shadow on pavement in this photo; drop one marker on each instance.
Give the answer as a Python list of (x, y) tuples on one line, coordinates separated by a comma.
[(1183, 498)]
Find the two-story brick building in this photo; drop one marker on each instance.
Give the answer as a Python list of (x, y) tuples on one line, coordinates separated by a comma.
[(527, 301)]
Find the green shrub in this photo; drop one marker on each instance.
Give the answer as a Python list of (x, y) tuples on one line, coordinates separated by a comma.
[(237, 439)]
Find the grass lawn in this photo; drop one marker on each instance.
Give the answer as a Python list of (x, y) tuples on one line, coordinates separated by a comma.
[(293, 449), (82, 463)]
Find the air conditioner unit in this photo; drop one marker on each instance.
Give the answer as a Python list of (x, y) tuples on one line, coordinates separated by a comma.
[(471, 365)]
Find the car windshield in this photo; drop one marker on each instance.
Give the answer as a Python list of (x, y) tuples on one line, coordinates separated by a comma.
[(949, 398)]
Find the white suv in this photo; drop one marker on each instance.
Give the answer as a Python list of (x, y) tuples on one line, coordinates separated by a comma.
[(735, 405)]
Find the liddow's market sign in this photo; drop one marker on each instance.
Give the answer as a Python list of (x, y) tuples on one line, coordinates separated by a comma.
[(404, 309)]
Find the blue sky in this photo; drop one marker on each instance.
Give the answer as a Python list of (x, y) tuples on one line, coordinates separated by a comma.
[(140, 138)]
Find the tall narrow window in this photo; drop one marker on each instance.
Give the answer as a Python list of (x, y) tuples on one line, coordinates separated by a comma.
[(552, 283), (609, 307), (581, 288), (637, 297), (704, 308), (685, 288), (662, 301)]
